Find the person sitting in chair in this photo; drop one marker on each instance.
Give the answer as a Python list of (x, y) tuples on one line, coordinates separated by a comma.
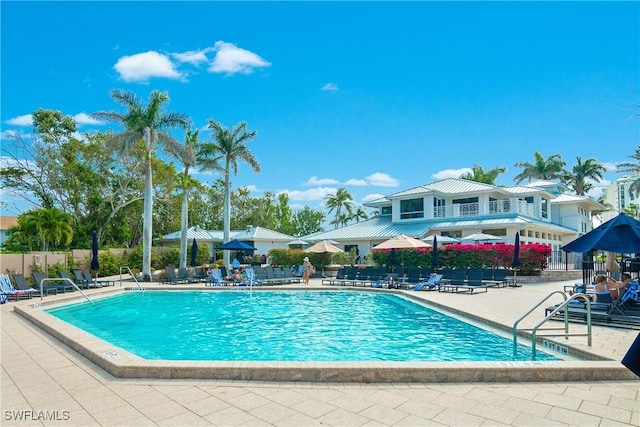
[(616, 288)]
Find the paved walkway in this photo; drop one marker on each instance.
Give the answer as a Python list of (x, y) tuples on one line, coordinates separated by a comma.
[(46, 383)]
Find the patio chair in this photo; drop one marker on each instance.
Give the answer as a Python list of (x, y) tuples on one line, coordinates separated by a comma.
[(21, 284), (8, 292), (60, 287)]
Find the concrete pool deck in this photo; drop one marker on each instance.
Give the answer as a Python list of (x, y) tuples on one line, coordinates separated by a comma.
[(47, 383)]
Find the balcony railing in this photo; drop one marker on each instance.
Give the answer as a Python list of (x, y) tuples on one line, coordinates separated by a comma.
[(475, 209)]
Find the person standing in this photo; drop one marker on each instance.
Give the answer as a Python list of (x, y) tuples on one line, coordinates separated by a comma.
[(307, 270)]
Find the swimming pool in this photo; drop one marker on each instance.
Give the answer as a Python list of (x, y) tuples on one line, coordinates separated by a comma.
[(287, 326)]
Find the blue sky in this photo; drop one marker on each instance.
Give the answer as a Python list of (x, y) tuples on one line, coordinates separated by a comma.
[(373, 96)]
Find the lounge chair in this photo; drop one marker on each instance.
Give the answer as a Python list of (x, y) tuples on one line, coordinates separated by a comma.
[(47, 284), (93, 282), (8, 292), (432, 283), (21, 284), (170, 277)]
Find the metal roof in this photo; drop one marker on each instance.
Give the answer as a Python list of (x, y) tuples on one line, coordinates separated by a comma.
[(572, 198), (259, 234), (263, 234), (457, 186), (381, 227)]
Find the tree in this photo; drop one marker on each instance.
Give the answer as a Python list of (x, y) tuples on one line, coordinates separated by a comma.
[(307, 221), (583, 175), (633, 168), (550, 168), (342, 203), (478, 174), (230, 146), (187, 156), (50, 225), (359, 214), (146, 124)]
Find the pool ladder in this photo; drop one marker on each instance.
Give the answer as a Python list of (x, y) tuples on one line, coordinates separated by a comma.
[(563, 305), (126, 267)]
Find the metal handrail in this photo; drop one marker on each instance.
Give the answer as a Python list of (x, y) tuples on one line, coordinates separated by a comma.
[(556, 310), (573, 297), (51, 279), (132, 275)]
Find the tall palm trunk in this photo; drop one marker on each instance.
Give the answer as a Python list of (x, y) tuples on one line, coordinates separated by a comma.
[(147, 223), (183, 228), (227, 214)]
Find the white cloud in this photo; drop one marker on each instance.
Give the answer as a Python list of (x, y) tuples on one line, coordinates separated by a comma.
[(317, 193), (451, 173), (314, 180), (382, 180), (142, 66), (356, 182), (330, 87), (194, 57), (609, 166), (25, 120), (85, 119), (370, 197), (231, 59)]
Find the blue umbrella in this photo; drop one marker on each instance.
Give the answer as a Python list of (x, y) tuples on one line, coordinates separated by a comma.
[(434, 253), (236, 245), (516, 259), (95, 265), (194, 253), (620, 234)]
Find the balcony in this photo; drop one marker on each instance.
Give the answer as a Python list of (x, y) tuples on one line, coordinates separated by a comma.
[(494, 207)]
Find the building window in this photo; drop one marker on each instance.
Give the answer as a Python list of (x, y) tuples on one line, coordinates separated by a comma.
[(386, 210), (495, 231), (412, 208), (439, 208), (545, 208)]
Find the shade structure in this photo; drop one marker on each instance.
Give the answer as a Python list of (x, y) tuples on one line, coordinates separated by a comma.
[(95, 265), (297, 242), (441, 239), (322, 247), (434, 253), (402, 241), (620, 234), (481, 238), (194, 253), (236, 245)]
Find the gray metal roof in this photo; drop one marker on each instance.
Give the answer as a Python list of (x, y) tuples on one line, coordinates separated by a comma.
[(263, 234), (457, 185), (378, 227)]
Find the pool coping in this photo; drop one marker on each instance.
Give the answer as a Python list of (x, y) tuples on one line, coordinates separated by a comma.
[(123, 364)]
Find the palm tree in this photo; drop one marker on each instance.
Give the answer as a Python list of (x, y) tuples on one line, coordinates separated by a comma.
[(359, 214), (51, 225), (342, 202), (230, 146), (478, 174), (633, 168), (583, 175), (144, 124), (187, 155), (550, 168)]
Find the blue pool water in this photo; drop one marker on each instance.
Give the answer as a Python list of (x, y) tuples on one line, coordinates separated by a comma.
[(286, 326)]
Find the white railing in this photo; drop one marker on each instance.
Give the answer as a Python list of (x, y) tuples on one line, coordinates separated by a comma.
[(476, 208)]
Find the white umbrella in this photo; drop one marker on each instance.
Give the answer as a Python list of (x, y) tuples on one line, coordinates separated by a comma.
[(441, 240), (481, 237), (322, 247), (402, 241)]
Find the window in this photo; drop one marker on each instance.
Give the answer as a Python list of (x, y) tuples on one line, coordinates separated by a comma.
[(386, 210), (495, 231), (439, 208), (545, 208), (412, 208)]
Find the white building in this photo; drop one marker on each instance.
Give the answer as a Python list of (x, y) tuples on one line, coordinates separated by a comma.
[(542, 212), (619, 195)]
